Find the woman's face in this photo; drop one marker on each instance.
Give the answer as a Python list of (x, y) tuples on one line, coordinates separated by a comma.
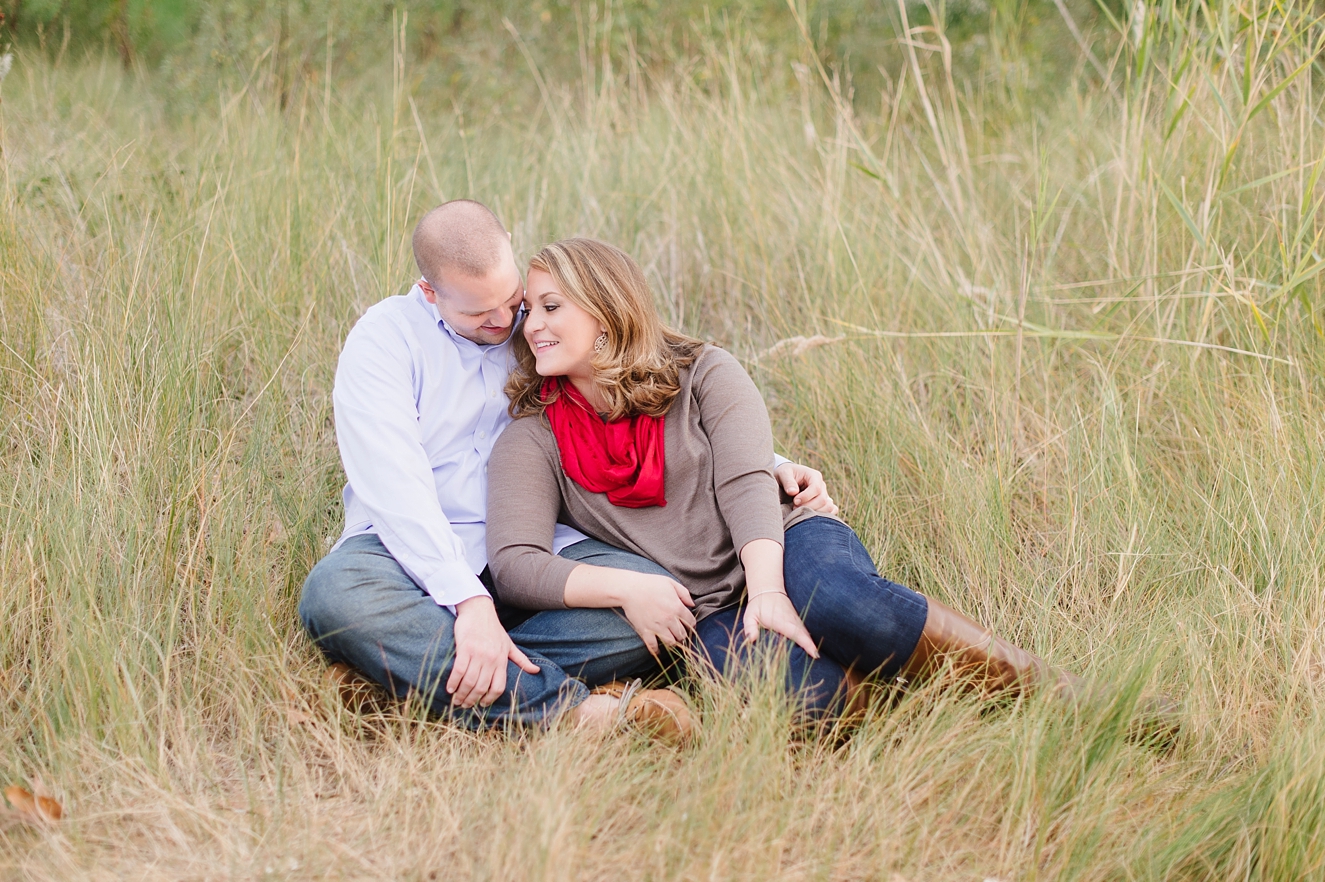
[(560, 333)]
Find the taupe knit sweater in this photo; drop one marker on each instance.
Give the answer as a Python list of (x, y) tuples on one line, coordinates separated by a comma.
[(720, 493)]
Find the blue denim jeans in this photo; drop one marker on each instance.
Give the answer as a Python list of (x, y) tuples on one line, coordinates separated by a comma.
[(361, 608), (858, 619)]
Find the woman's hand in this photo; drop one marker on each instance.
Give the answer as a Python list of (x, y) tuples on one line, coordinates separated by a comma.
[(657, 607), (772, 609), (766, 601), (806, 487)]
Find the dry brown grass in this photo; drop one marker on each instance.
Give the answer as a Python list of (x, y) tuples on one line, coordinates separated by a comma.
[(1077, 392)]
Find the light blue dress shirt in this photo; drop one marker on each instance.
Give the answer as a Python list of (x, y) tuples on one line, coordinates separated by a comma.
[(418, 408)]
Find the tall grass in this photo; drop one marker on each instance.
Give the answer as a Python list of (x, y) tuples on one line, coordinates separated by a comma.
[(1062, 364)]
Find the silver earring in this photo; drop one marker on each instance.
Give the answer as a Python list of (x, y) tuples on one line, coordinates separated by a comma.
[(600, 342)]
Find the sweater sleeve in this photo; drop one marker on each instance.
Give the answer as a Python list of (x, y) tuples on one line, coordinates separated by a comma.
[(524, 499), (733, 416)]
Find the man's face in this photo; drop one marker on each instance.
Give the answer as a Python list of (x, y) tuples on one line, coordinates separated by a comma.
[(479, 309)]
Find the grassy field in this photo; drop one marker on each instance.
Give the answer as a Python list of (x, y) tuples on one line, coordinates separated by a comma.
[(1061, 360)]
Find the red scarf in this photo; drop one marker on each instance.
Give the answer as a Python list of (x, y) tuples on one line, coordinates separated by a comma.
[(622, 458)]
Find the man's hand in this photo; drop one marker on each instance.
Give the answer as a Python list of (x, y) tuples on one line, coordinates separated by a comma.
[(806, 487), (657, 607), (482, 648), (773, 610)]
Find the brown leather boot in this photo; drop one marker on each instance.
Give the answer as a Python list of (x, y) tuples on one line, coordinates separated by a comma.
[(989, 662), (859, 692), (992, 664)]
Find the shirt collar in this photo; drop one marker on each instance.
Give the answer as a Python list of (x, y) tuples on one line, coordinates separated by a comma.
[(417, 293)]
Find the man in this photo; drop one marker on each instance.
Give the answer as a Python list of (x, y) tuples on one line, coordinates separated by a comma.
[(405, 596)]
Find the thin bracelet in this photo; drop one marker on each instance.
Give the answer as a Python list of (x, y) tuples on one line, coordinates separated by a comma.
[(750, 597)]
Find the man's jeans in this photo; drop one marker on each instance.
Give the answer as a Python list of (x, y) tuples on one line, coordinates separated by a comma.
[(361, 608), (858, 619)]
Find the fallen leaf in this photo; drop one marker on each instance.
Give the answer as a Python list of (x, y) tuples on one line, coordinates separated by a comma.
[(34, 809), (20, 799), (46, 803), (49, 808)]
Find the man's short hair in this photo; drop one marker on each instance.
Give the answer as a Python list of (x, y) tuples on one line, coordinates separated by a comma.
[(461, 236)]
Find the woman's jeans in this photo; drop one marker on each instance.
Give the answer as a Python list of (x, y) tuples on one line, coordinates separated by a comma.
[(859, 620), (361, 608)]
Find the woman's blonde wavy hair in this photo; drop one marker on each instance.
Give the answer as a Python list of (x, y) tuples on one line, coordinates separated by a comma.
[(638, 370)]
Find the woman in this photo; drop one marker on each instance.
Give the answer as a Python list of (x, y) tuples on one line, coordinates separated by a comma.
[(654, 442)]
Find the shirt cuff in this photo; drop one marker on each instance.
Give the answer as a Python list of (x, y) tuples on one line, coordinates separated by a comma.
[(453, 583), (779, 460)]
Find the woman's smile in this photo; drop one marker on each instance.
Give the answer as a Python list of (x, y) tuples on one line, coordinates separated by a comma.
[(560, 332)]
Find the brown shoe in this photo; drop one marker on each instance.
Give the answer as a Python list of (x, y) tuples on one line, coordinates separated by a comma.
[(359, 694), (659, 713)]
